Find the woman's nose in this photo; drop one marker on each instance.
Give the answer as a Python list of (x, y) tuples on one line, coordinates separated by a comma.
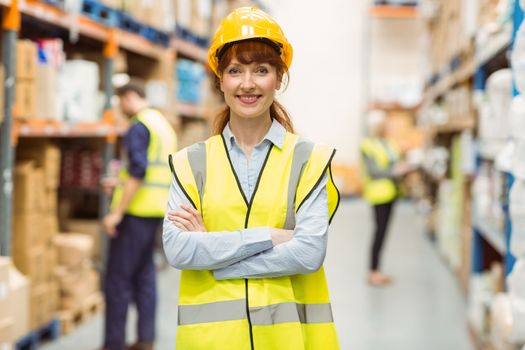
[(247, 81)]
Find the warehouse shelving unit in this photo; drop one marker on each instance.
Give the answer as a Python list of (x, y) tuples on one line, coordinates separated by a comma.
[(107, 129), (487, 239)]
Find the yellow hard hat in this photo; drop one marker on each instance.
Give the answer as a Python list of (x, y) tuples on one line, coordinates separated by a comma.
[(248, 23)]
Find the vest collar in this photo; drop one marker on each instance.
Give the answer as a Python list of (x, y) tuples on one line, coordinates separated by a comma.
[(275, 135)]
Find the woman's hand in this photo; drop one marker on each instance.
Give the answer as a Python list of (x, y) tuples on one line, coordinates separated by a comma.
[(188, 219), (280, 236)]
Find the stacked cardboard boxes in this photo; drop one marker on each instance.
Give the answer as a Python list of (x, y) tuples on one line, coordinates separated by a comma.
[(14, 304), (90, 228), (158, 14), (35, 222), (78, 280), (26, 73)]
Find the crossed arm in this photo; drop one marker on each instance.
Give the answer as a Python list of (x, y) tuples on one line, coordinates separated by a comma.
[(259, 252)]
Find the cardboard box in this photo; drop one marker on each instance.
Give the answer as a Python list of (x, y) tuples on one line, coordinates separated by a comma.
[(28, 231), (51, 206), (25, 198), (25, 99), (91, 228), (5, 265), (26, 59), (76, 285), (14, 302), (73, 249), (54, 297), (34, 264), (6, 329), (52, 226), (19, 302), (47, 87), (44, 155), (6, 346), (43, 304), (38, 306)]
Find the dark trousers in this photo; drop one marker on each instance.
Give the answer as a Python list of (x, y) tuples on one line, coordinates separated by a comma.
[(381, 217), (131, 277)]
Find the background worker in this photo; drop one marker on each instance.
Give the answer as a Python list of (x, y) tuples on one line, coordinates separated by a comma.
[(382, 167), (138, 205)]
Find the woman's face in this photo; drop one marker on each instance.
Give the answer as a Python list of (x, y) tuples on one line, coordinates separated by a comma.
[(249, 89)]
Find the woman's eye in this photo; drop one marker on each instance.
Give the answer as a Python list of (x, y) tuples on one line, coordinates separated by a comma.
[(262, 70), (233, 71)]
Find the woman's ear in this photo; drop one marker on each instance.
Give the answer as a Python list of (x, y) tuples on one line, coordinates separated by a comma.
[(278, 84), (220, 85)]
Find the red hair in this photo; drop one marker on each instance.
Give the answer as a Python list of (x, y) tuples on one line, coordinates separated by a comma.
[(247, 52)]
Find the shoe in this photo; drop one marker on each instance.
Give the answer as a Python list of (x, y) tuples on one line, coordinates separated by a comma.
[(377, 279), (141, 346)]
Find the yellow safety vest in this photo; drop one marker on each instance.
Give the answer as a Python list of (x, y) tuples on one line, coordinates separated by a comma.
[(291, 312), (151, 198), (379, 191)]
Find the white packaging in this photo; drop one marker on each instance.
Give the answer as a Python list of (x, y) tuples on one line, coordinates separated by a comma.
[(516, 282), (468, 152), (517, 215), (183, 12), (501, 320), (79, 82), (500, 93), (517, 117), (505, 157), (157, 93), (518, 160)]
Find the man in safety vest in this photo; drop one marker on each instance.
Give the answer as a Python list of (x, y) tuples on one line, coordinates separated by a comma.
[(138, 206)]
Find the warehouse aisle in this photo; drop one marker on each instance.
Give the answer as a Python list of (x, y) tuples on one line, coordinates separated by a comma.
[(424, 309)]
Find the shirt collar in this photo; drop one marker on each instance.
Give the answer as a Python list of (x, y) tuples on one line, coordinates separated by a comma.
[(275, 135)]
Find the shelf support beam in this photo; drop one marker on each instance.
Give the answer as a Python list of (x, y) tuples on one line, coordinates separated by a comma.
[(10, 27), (110, 52)]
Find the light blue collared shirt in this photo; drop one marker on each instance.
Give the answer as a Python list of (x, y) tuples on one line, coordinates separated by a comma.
[(249, 253)]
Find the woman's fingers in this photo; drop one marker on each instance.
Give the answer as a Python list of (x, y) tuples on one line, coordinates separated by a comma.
[(196, 217), (183, 223), (191, 211), (181, 214), (192, 218)]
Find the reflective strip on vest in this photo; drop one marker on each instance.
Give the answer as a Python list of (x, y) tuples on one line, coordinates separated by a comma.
[(303, 150), (260, 316)]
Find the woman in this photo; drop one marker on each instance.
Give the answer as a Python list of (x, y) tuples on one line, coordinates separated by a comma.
[(249, 209), (381, 167)]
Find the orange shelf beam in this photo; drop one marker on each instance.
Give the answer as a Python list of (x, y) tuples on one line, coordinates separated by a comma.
[(394, 12), (88, 27), (43, 128)]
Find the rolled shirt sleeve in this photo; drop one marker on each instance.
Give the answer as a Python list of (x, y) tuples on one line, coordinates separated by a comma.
[(208, 250), (303, 254), (136, 143)]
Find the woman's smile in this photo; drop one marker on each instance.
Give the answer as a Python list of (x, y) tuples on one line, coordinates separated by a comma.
[(249, 99)]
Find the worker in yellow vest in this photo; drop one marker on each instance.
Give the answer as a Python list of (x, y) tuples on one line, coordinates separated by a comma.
[(138, 206), (249, 209), (381, 167)]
